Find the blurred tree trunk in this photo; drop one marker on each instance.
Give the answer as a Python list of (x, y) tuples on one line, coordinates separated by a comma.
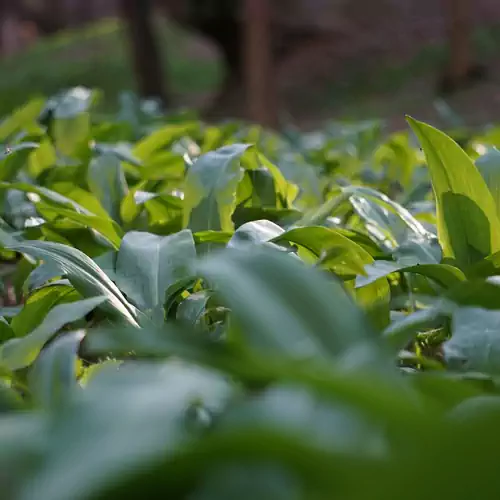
[(462, 68), (459, 35), (258, 57), (144, 50), (9, 39)]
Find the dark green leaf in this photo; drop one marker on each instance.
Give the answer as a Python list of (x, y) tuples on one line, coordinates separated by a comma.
[(53, 377)]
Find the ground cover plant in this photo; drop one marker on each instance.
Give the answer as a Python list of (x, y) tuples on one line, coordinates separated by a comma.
[(209, 312)]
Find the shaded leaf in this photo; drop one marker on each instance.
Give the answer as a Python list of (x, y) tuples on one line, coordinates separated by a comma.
[(21, 352), (53, 377)]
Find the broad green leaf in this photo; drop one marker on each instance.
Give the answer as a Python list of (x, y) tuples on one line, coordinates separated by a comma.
[(338, 427), (135, 434), (21, 352), (82, 272), (53, 377), (283, 306), (210, 189), (468, 224), (106, 180), (475, 342), (148, 265), (476, 293)]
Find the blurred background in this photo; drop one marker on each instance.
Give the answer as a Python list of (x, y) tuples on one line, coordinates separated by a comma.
[(299, 61)]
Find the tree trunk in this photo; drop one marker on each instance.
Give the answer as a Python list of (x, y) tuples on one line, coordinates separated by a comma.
[(459, 34), (144, 50), (258, 57)]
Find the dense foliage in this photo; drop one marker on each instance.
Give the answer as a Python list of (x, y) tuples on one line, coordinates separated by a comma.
[(202, 312)]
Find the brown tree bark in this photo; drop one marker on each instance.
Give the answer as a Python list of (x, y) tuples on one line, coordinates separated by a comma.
[(258, 58), (461, 69), (459, 36), (145, 53)]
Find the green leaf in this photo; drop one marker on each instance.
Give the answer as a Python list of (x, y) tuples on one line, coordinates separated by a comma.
[(53, 377), (395, 221), (337, 253), (37, 306), (106, 180), (161, 138), (210, 189), (136, 434), (83, 273), (283, 306), (21, 352), (46, 194), (255, 232), (468, 225), (286, 192), (446, 275), (15, 160), (71, 124), (21, 119), (489, 167), (82, 198), (400, 332), (105, 226), (192, 308), (148, 265), (475, 342)]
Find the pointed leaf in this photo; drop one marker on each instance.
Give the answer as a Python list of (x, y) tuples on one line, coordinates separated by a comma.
[(106, 180), (468, 225), (210, 189), (148, 265), (83, 273)]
